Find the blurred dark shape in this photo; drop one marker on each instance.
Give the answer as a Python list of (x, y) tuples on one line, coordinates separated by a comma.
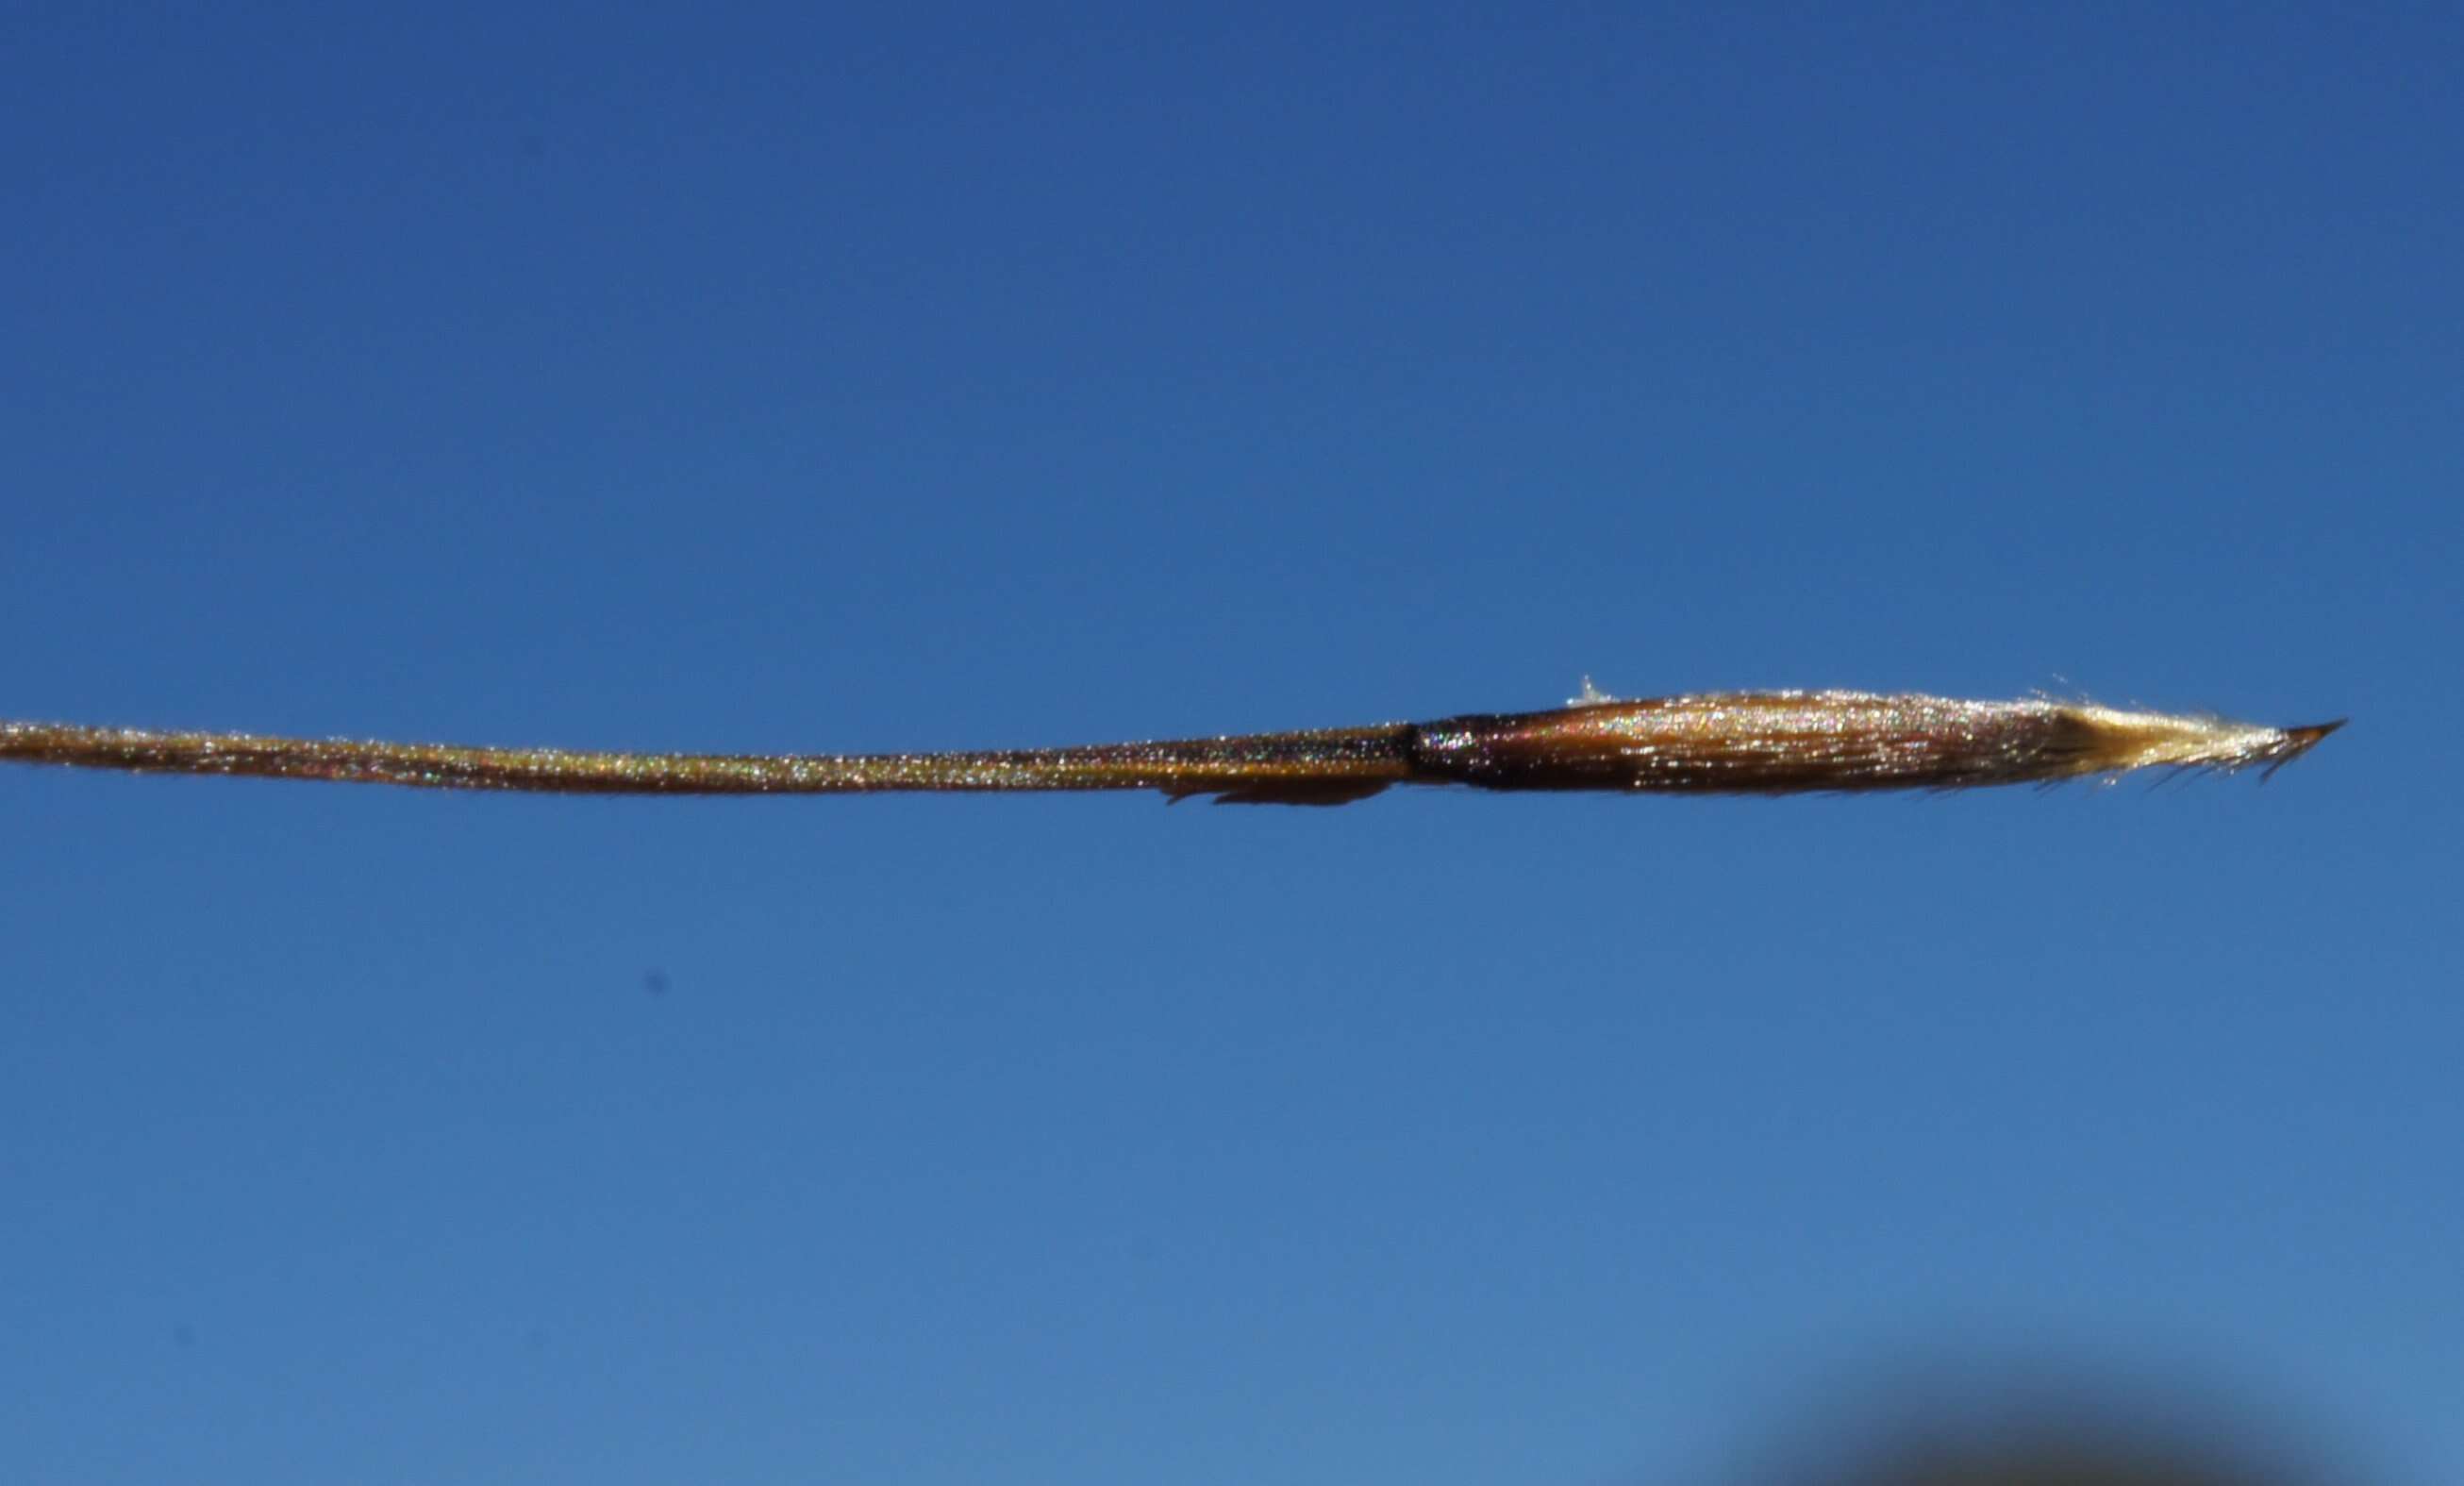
[(655, 983), (2083, 1458), (2031, 1426)]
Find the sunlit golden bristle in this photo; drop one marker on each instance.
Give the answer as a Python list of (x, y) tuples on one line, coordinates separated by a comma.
[(1750, 742)]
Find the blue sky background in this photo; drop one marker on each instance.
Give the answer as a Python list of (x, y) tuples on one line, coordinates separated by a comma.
[(805, 378)]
